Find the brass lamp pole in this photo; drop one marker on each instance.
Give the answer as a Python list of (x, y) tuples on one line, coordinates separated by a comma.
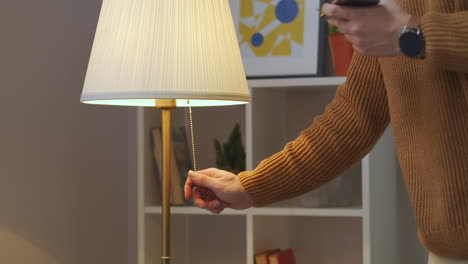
[(166, 105)]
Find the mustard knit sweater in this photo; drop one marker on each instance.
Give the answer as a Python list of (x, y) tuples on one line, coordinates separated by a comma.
[(426, 102)]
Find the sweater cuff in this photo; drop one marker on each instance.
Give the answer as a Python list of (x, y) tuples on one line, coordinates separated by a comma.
[(246, 178), (446, 37)]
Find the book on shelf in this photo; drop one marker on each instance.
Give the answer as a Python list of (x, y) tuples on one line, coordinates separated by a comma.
[(179, 155), (285, 256), (181, 150), (262, 257)]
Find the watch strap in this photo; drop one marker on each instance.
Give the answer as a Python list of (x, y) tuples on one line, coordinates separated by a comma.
[(414, 23)]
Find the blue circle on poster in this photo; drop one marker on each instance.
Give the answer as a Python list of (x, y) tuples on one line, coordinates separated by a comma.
[(257, 39), (286, 11)]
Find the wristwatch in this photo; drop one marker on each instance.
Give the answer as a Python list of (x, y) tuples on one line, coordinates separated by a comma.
[(411, 39)]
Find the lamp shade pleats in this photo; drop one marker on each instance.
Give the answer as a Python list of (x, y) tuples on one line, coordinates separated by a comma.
[(165, 49)]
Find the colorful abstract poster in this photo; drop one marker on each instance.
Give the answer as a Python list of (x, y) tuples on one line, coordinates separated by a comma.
[(278, 37)]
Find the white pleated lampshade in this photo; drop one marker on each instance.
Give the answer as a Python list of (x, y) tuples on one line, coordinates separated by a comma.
[(165, 49)]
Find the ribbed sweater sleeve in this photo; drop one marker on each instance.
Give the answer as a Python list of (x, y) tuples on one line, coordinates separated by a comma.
[(446, 37), (347, 130)]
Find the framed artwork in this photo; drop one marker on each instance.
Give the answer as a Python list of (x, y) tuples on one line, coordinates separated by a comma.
[(279, 38)]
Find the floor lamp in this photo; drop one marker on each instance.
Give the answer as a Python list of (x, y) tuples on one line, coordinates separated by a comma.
[(165, 54)]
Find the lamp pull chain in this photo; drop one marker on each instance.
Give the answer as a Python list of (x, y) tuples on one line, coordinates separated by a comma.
[(205, 193), (191, 135)]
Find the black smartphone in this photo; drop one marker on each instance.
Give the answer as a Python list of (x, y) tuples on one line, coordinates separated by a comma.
[(356, 2)]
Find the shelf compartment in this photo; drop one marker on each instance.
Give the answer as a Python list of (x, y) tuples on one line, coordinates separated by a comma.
[(279, 115), (191, 244), (152, 239), (344, 191), (221, 240), (210, 123), (325, 240)]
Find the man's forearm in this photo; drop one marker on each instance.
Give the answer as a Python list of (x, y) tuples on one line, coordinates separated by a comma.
[(346, 132)]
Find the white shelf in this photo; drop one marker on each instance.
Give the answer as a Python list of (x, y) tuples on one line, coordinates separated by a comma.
[(190, 210), (296, 82), (335, 212), (376, 232)]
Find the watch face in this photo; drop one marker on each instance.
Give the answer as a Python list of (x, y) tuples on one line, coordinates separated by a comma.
[(411, 44)]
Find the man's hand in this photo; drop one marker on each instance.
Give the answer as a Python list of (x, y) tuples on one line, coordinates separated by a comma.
[(214, 190), (373, 31)]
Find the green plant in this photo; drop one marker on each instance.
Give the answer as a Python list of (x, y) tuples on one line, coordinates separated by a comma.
[(333, 29), (231, 156)]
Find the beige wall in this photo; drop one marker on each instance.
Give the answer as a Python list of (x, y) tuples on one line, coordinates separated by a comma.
[(63, 165)]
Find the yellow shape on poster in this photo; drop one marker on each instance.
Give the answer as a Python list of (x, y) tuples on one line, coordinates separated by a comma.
[(283, 49), (297, 30), (268, 17), (247, 9), (246, 33)]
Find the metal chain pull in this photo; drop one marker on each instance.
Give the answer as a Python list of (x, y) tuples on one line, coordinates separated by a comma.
[(206, 194), (191, 135)]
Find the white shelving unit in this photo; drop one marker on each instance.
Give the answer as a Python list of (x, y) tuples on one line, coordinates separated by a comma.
[(375, 226), (332, 82), (189, 210)]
